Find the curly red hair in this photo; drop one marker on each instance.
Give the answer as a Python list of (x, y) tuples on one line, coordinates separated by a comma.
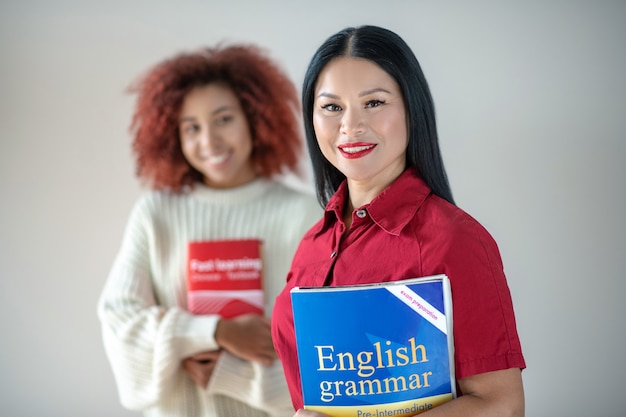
[(268, 98)]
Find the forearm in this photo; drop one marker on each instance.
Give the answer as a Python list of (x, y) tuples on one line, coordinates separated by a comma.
[(146, 343), (469, 405), (493, 394)]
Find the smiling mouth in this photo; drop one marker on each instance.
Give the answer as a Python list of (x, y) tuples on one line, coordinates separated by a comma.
[(354, 151), (217, 159)]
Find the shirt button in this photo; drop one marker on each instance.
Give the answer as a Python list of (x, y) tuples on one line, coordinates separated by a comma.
[(332, 255), (361, 213)]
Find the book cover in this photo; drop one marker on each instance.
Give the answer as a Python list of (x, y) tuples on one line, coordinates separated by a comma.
[(375, 350), (225, 277)]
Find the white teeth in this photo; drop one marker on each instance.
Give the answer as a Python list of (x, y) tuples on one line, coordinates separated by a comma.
[(217, 159), (356, 149)]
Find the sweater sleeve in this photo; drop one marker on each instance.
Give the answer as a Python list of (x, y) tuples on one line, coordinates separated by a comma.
[(145, 341)]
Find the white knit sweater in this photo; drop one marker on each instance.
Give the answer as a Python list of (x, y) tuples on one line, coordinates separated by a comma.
[(146, 328)]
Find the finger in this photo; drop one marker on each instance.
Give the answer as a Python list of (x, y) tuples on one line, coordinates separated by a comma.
[(191, 371), (199, 373)]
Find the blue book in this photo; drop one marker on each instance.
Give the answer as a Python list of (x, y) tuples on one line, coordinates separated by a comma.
[(376, 350)]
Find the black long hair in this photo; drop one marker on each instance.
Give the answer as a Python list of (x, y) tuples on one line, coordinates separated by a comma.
[(394, 56)]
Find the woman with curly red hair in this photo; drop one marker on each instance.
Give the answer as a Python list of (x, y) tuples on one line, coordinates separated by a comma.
[(212, 131)]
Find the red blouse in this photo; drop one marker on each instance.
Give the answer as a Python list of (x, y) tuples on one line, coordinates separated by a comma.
[(405, 232)]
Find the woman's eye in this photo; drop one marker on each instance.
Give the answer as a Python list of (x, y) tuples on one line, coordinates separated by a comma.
[(190, 129), (374, 103), (224, 119), (331, 107)]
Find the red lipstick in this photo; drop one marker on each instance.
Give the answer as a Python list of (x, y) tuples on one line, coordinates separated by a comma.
[(355, 150)]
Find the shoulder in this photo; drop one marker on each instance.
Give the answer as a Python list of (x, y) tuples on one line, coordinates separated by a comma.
[(152, 203), (453, 242), (295, 197), (442, 214), (151, 197), (453, 227), (295, 210)]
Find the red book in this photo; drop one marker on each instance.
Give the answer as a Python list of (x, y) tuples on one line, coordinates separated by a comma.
[(224, 277)]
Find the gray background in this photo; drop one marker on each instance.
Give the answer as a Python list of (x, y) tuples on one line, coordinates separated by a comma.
[(530, 100)]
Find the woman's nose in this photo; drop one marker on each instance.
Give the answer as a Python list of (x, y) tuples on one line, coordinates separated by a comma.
[(209, 138), (352, 123)]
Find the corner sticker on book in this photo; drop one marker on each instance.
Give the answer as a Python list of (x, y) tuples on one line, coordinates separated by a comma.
[(420, 306)]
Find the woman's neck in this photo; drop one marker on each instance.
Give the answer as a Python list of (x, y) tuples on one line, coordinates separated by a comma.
[(363, 191)]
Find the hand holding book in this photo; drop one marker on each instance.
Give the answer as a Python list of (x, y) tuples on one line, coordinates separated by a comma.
[(224, 277)]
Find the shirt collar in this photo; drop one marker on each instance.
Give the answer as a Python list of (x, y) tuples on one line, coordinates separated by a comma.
[(391, 210)]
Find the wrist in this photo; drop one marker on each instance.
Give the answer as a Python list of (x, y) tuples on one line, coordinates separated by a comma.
[(221, 332)]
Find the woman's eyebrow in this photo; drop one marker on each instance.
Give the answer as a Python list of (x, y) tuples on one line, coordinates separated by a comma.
[(374, 90), (213, 113), (222, 108), (328, 95), (361, 94)]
